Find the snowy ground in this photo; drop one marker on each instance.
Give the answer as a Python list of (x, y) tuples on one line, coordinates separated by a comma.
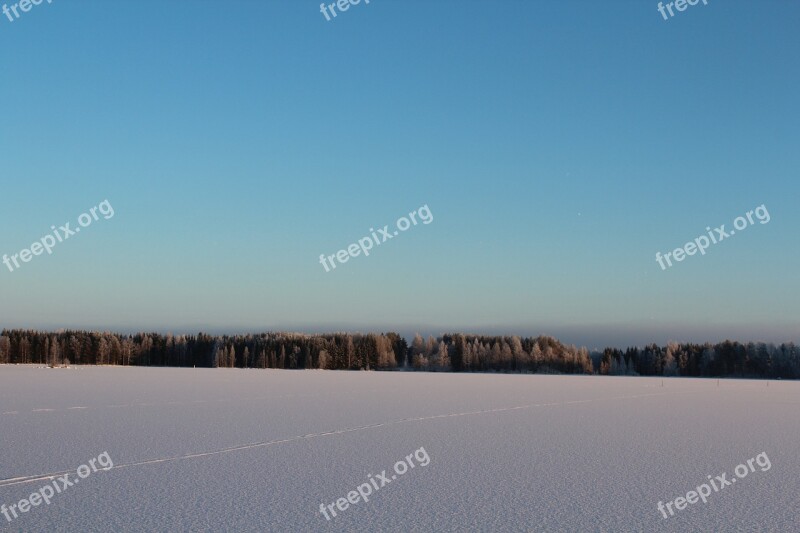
[(259, 450)]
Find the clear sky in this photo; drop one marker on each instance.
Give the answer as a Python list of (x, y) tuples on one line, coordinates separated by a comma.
[(558, 145)]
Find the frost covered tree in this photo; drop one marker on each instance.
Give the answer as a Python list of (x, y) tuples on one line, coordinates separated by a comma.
[(75, 348), (496, 355), (518, 355), (25, 350), (420, 362), (417, 345), (430, 347), (115, 350), (536, 356), (103, 351), (467, 357), (350, 351), (128, 349), (670, 365), (506, 356), (231, 356), (442, 358), (386, 357)]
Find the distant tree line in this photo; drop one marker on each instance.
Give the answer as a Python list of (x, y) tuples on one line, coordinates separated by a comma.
[(465, 353), (765, 360), (389, 351), (267, 350)]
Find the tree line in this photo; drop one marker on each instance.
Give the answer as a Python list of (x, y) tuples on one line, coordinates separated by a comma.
[(389, 351), (266, 350), (760, 360)]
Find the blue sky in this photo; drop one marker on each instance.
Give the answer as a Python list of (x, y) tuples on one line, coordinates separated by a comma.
[(559, 146)]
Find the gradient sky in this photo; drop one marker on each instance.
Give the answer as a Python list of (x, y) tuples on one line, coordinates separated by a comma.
[(559, 146)]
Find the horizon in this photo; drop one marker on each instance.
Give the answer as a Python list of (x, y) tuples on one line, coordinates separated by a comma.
[(408, 335)]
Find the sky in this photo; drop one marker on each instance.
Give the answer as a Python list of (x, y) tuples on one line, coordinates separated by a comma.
[(558, 146)]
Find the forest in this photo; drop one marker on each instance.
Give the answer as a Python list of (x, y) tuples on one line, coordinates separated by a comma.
[(389, 351)]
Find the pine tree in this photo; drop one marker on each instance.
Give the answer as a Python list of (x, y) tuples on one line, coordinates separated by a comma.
[(430, 347), (103, 351), (670, 366), (350, 351), (5, 349), (467, 357), (443, 359), (417, 345), (506, 356), (518, 355), (536, 356), (216, 355)]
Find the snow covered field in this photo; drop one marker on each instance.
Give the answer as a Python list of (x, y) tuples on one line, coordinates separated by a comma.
[(260, 450)]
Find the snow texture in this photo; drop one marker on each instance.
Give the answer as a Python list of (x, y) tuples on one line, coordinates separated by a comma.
[(260, 450)]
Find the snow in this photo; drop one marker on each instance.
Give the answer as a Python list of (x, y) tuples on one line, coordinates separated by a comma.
[(260, 450)]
